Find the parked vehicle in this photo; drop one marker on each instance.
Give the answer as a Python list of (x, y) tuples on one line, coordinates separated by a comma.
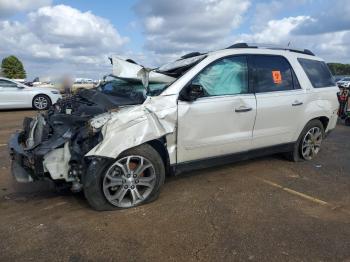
[(16, 95), (344, 82), (118, 141)]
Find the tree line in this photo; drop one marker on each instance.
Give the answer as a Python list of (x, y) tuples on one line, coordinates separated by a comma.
[(339, 69)]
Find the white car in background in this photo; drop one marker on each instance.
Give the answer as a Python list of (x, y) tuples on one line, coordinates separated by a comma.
[(344, 82), (16, 95)]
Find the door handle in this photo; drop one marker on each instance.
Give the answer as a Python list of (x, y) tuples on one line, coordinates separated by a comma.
[(297, 103), (243, 109)]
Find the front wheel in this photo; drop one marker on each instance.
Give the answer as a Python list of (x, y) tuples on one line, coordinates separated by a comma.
[(133, 179)]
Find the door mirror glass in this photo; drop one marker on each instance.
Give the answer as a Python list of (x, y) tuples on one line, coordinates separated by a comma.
[(192, 92)]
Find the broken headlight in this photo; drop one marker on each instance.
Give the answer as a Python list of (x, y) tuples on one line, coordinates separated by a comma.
[(99, 121)]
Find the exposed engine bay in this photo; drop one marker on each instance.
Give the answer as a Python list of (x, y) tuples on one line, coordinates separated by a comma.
[(55, 141)]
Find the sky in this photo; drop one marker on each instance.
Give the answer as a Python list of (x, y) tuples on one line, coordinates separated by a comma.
[(55, 37)]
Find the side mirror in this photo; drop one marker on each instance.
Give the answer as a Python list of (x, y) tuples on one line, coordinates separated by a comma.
[(20, 87), (192, 92)]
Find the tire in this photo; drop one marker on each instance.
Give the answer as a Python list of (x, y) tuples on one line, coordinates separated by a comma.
[(299, 152), (108, 185), (41, 102)]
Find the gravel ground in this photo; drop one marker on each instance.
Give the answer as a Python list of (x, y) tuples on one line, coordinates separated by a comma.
[(266, 209)]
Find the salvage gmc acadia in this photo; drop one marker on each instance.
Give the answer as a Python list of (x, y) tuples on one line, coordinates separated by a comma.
[(118, 141)]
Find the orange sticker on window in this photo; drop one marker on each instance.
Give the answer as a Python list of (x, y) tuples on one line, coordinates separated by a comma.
[(277, 77)]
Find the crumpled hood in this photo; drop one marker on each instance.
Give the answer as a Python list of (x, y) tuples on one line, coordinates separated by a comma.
[(108, 101), (130, 71), (135, 125)]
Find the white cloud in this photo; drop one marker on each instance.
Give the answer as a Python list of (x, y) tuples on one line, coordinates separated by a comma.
[(63, 35), (154, 23), (332, 46), (275, 31), (174, 27), (334, 18), (51, 39), (10, 7)]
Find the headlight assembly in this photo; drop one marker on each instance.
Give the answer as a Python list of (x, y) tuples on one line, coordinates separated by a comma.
[(99, 121)]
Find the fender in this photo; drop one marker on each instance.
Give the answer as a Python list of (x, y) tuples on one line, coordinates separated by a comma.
[(135, 125), (320, 106)]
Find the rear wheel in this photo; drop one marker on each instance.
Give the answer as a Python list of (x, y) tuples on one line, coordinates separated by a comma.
[(309, 143), (133, 179), (41, 102)]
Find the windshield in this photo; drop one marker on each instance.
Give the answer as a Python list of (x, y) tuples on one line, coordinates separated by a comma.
[(346, 79), (118, 87)]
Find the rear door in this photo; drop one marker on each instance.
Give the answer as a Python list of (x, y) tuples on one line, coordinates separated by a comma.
[(221, 122), (324, 90), (280, 100)]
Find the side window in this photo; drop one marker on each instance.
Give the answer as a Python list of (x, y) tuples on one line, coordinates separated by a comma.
[(317, 72), (273, 73), (228, 76), (5, 83)]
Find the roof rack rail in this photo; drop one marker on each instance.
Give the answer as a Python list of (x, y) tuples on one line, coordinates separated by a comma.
[(274, 47), (189, 55)]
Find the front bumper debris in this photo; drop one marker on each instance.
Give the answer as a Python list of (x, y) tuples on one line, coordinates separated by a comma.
[(20, 165)]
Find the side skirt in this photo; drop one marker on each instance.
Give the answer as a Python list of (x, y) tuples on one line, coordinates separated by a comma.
[(226, 159)]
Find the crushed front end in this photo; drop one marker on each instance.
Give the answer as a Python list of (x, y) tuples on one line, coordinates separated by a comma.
[(53, 144), (58, 144)]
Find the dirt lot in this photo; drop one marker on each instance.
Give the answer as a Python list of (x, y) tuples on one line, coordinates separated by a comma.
[(266, 209)]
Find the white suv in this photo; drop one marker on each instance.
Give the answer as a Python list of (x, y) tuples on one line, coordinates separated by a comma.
[(218, 107)]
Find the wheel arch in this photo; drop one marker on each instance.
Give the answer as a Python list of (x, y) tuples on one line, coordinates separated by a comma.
[(324, 120), (295, 154), (41, 94), (160, 146)]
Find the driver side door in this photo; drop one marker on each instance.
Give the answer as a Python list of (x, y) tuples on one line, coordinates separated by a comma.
[(221, 121)]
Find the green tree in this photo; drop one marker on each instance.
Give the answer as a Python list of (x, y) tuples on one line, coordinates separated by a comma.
[(339, 69), (12, 67)]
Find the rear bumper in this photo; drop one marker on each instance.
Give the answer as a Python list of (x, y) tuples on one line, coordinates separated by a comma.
[(20, 165)]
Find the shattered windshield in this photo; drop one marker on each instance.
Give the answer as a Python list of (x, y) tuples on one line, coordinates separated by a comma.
[(119, 87)]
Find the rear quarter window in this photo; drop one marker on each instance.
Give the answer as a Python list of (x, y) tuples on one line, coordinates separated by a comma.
[(317, 72)]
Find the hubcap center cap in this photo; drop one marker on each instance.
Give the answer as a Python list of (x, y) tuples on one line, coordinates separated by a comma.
[(129, 181)]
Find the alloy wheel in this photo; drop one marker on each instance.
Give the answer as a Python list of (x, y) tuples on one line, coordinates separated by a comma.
[(311, 143), (129, 181), (41, 102)]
